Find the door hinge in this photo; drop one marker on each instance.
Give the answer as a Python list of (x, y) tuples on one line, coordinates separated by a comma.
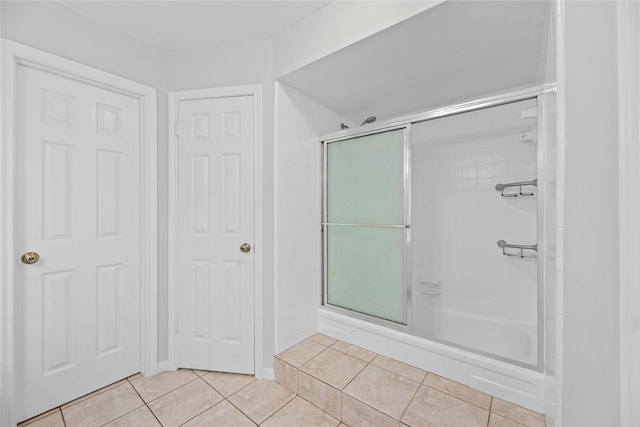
[(177, 129), (176, 326)]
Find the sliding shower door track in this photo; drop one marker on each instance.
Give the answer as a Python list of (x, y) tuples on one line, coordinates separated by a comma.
[(342, 224)]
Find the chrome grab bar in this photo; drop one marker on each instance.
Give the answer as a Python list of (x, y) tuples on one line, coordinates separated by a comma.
[(502, 187), (521, 249)]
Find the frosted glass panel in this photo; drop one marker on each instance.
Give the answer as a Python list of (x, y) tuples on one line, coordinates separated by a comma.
[(365, 179), (365, 270)]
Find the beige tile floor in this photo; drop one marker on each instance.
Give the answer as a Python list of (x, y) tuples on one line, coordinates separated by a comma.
[(184, 398), (324, 383)]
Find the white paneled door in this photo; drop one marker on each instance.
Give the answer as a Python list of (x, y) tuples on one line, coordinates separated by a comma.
[(215, 257), (79, 209)]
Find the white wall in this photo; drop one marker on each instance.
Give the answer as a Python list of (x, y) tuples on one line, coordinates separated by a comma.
[(336, 26), (299, 123), (590, 309), (54, 28), (232, 65)]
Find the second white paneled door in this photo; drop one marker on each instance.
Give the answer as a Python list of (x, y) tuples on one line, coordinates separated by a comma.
[(215, 232)]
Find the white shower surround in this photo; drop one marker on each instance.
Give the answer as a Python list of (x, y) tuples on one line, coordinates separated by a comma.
[(509, 339), (516, 384), (464, 290)]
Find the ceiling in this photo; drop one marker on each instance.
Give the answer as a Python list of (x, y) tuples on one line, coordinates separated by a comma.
[(455, 51), (189, 24)]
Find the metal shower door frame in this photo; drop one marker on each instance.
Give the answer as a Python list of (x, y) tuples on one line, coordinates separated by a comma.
[(407, 303), (536, 92)]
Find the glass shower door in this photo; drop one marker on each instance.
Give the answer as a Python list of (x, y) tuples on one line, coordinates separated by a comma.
[(465, 290), (364, 225)]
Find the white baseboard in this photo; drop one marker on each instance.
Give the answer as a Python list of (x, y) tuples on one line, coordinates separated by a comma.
[(163, 366), (266, 374)]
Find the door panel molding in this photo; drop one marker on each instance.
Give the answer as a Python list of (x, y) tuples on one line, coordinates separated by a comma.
[(13, 55), (223, 92)]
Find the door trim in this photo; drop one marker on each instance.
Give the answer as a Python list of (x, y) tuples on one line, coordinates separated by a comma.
[(14, 54), (629, 208), (223, 92)]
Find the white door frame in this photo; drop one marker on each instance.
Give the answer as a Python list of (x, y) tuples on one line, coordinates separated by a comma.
[(223, 92), (14, 54), (629, 208)]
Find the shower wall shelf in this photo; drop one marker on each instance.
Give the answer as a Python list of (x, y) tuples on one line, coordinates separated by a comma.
[(502, 187), (532, 250)]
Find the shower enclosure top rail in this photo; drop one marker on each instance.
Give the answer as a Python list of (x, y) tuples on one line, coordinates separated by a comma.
[(450, 110)]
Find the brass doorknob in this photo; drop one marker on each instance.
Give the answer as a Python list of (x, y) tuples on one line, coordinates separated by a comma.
[(245, 247), (30, 257)]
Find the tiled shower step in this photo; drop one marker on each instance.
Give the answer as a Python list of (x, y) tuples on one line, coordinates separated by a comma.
[(362, 388)]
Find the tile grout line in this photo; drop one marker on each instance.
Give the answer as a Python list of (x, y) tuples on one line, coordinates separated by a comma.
[(312, 403), (144, 401), (213, 388), (173, 389), (490, 411), (29, 421), (511, 419), (277, 410), (326, 383), (211, 385), (314, 356), (64, 422), (354, 377), (223, 398), (328, 346), (240, 410), (200, 413), (382, 367), (366, 404), (126, 413), (402, 376), (459, 398), (311, 358), (94, 393), (247, 415), (355, 357), (266, 419), (489, 417), (411, 401)]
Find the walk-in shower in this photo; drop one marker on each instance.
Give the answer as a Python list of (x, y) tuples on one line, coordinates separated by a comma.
[(431, 226)]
